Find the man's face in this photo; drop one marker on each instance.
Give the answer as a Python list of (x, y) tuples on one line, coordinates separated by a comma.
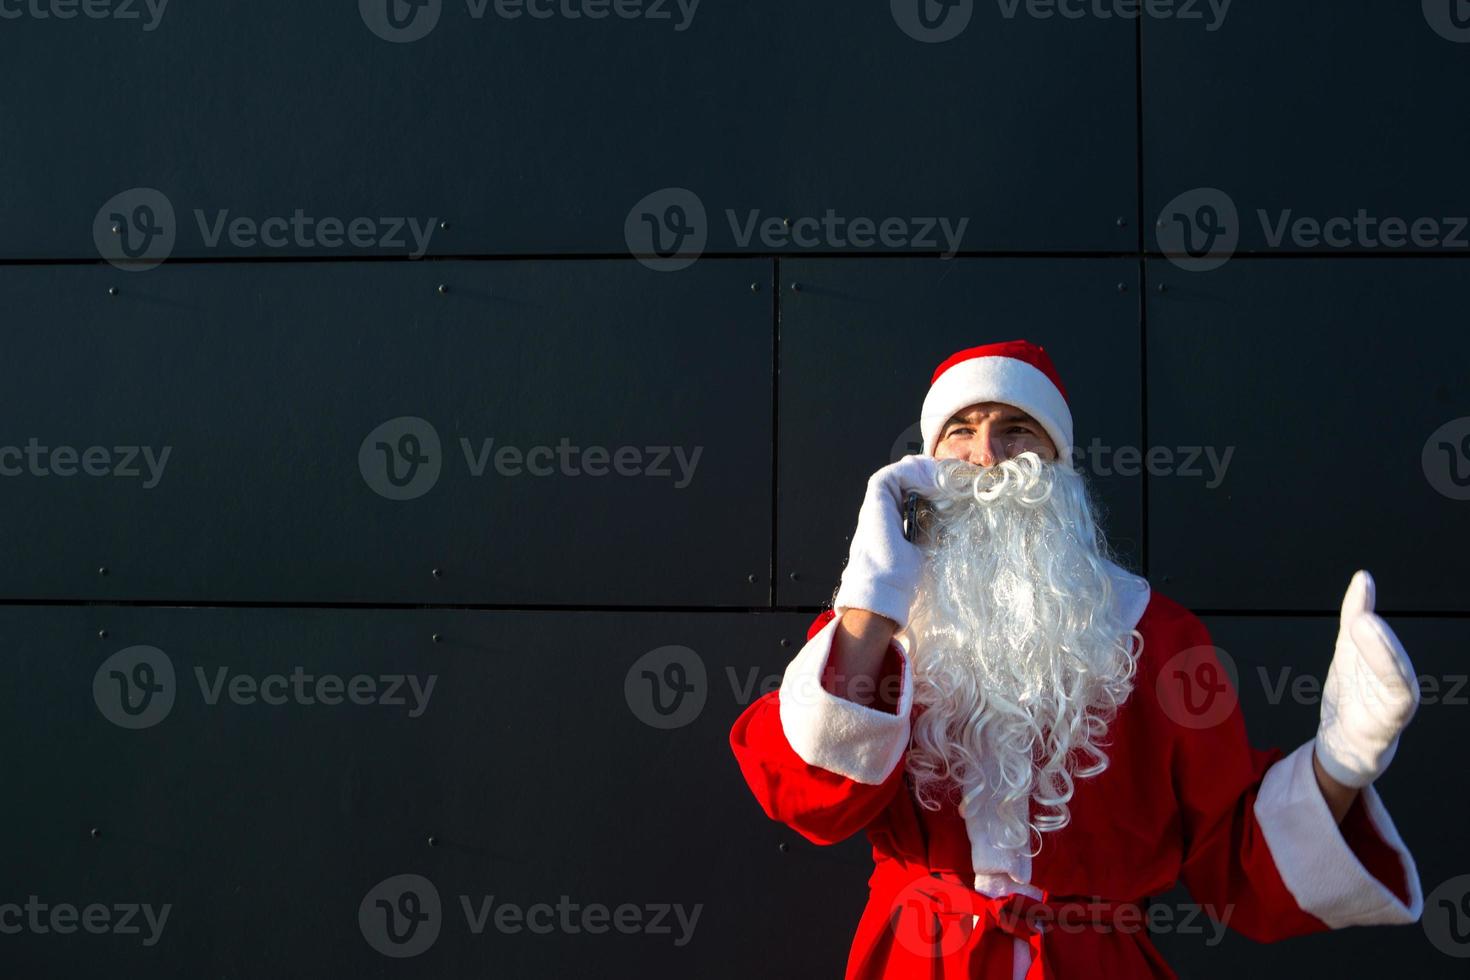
[(988, 432)]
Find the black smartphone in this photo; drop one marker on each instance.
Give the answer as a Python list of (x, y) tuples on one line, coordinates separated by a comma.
[(911, 516)]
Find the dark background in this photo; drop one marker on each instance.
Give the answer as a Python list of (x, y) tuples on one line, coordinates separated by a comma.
[(1337, 377)]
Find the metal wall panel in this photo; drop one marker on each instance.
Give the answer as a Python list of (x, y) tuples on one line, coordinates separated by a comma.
[(1280, 664), (859, 341), (1318, 111), (280, 393), (537, 761), (540, 135), (1338, 392)]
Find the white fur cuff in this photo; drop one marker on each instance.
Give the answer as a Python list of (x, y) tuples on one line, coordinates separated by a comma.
[(833, 733), (1316, 864)]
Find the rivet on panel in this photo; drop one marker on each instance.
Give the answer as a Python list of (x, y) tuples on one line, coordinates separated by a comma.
[(443, 289), (112, 290), (796, 287), (433, 840), (750, 579), (102, 570), (1122, 287), (1162, 288), (755, 287), (795, 577), (436, 573), (95, 833), (102, 634), (436, 637)]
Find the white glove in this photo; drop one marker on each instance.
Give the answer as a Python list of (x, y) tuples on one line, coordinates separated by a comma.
[(1370, 694), (882, 572)]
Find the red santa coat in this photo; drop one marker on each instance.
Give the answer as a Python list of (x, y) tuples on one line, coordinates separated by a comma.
[(1185, 797)]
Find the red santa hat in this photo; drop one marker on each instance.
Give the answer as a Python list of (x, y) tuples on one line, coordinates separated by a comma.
[(1016, 372)]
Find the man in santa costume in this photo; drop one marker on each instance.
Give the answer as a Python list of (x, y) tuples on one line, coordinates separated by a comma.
[(1035, 741)]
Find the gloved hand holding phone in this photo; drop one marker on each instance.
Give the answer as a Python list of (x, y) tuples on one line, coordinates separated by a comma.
[(883, 564)]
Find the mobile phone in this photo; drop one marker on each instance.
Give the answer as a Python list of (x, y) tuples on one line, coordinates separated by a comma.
[(911, 516)]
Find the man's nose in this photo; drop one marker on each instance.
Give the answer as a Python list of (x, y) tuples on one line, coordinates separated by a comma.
[(982, 453)]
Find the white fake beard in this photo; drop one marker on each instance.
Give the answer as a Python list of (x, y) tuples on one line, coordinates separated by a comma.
[(1019, 652)]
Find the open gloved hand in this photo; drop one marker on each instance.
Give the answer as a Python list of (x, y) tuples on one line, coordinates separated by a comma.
[(882, 572), (1370, 694)]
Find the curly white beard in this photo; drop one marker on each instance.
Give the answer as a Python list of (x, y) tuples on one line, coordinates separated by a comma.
[(1020, 655)]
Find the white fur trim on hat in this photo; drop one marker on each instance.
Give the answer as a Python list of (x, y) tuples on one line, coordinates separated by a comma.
[(997, 379)]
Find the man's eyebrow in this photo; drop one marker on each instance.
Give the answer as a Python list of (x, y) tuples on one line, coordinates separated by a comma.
[(1008, 417)]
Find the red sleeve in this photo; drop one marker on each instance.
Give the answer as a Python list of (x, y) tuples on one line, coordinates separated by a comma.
[(822, 765), (1260, 844)]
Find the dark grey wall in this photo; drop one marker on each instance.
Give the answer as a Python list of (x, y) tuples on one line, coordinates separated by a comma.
[(280, 280)]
